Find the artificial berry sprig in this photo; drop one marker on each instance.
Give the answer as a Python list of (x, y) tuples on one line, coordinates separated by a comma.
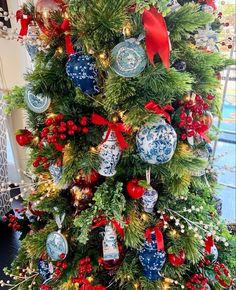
[(197, 281), (13, 221), (85, 268), (41, 160), (45, 287), (191, 122), (60, 266)]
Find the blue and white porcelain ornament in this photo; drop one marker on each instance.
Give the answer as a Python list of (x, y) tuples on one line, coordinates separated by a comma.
[(82, 70), (206, 8), (152, 255), (150, 195), (109, 153), (110, 244), (128, 58), (36, 103), (31, 42), (156, 142), (56, 244), (45, 269), (206, 38), (56, 172)]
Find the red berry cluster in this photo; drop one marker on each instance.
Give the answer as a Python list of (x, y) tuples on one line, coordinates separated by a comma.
[(228, 42), (84, 269), (205, 262), (190, 116), (57, 129), (60, 266), (13, 221), (41, 160), (197, 281)]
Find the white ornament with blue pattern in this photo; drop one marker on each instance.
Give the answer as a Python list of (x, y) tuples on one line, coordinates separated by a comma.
[(128, 58), (156, 142), (56, 172), (56, 245), (82, 71), (36, 103), (149, 199)]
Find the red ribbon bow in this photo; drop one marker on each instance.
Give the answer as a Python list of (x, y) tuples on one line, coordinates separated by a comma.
[(65, 27), (154, 107), (24, 22), (159, 237), (212, 4), (201, 131), (209, 243), (157, 38), (117, 128), (103, 221)]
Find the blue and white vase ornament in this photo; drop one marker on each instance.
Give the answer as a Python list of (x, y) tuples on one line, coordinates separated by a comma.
[(31, 42), (110, 244), (45, 269), (56, 172), (156, 142), (56, 244), (152, 255), (36, 103), (128, 58), (109, 153), (150, 195), (82, 70)]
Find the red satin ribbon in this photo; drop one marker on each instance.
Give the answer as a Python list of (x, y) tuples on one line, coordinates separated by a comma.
[(117, 128), (212, 4), (209, 243), (103, 221), (157, 38), (24, 22), (65, 27), (159, 237), (201, 131), (154, 107)]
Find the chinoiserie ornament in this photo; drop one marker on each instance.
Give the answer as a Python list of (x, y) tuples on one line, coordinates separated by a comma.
[(152, 255), (128, 58), (177, 259), (156, 142), (109, 153), (56, 244), (56, 171), (206, 38), (49, 15), (111, 252), (210, 248), (150, 195), (112, 145), (32, 35), (45, 269), (81, 69), (36, 103)]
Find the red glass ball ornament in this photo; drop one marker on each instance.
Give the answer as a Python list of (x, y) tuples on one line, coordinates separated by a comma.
[(207, 119), (177, 260), (49, 15), (134, 190)]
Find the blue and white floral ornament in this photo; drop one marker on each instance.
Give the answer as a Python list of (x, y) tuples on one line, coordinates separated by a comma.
[(56, 172), (152, 255), (156, 142), (128, 58), (81, 69), (36, 103), (207, 38)]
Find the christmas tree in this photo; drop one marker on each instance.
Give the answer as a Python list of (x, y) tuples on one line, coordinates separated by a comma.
[(120, 107)]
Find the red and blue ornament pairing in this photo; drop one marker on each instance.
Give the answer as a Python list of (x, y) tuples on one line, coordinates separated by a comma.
[(152, 256), (81, 69)]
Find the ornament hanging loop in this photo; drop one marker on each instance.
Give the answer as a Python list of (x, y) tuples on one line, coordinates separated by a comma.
[(59, 219), (148, 176)]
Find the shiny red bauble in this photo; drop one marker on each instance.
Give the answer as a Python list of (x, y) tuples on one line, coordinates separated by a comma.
[(49, 15), (207, 119), (24, 137), (87, 180), (177, 260), (134, 189)]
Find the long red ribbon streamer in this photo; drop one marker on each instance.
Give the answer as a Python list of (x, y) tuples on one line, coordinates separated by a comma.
[(154, 107), (159, 237), (208, 244), (117, 128), (157, 38), (65, 27)]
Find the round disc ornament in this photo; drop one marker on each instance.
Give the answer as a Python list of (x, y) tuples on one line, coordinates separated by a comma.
[(128, 58), (57, 246), (37, 103)]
